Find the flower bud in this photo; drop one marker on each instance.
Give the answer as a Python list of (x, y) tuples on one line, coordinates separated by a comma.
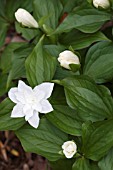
[(68, 57), (69, 149), (25, 18), (101, 3)]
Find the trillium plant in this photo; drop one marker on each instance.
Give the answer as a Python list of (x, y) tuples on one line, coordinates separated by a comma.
[(56, 84)]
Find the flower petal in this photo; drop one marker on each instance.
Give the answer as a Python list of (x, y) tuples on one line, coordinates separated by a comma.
[(28, 111), (24, 92), (34, 120), (23, 87), (29, 115), (68, 155), (39, 94), (20, 97), (37, 107), (47, 88), (11, 94), (26, 108), (46, 106), (17, 111)]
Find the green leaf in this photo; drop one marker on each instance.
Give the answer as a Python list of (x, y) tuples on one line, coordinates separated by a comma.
[(2, 8), (79, 40), (26, 4), (18, 63), (85, 18), (3, 81), (74, 67), (10, 8), (55, 50), (58, 95), (69, 5), (50, 8), (64, 164), (65, 119), (7, 56), (99, 140), (91, 101), (46, 140), (27, 33), (3, 31), (12, 5), (87, 129), (6, 122), (81, 164), (94, 166), (40, 65), (99, 62), (107, 162), (62, 73)]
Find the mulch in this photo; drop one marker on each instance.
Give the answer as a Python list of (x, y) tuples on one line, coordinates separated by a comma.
[(13, 157)]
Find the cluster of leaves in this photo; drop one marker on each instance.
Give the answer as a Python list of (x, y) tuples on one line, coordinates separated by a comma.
[(82, 101)]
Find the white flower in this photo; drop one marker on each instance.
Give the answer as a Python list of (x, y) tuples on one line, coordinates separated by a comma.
[(101, 3), (68, 57), (29, 102), (25, 18), (69, 149)]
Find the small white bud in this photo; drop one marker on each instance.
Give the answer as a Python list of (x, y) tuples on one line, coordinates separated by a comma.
[(25, 18), (68, 57), (101, 3), (69, 149)]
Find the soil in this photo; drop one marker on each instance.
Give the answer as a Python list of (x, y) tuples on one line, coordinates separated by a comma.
[(13, 157)]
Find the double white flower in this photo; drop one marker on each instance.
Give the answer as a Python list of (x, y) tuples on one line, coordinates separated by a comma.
[(25, 18), (101, 3), (29, 102), (68, 57), (69, 149)]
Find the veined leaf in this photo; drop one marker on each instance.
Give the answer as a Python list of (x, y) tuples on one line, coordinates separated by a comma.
[(85, 18), (107, 162), (99, 140), (79, 40), (46, 140), (6, 122), (99, 62), (51, 9), (40, 65), (91, 101)]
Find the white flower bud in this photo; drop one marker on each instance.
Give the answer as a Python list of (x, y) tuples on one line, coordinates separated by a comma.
[(25, 18), (68, 57), (69, 149), (101, 3)]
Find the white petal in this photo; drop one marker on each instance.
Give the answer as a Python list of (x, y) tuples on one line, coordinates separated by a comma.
[(28, 111), (25, 18), (29, 115), (68, 155), (37, 107), (34, 120), (24, 92), (23, 87), (20, 97), (46, 106), (26, 108), (17, 111), (39, 94), (47, 88), (11, 94), (65, 64)]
